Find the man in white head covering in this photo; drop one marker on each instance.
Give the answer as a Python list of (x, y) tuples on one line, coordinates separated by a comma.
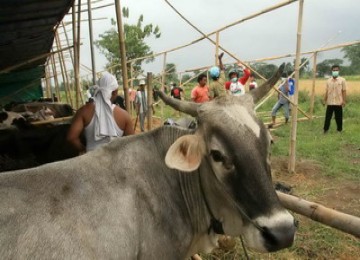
[(100, 120)]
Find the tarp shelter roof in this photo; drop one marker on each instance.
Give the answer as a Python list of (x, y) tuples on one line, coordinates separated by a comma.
[(27, 30)]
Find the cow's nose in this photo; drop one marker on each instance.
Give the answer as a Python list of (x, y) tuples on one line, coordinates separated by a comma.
[(279, 237)]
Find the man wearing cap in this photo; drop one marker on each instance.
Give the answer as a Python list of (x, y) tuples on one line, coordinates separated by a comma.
[(100, 120), (217, 74), (236, 85), (141, 104)]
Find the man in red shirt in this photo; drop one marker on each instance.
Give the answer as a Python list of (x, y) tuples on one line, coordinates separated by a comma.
[(236, 85), (200, 93)]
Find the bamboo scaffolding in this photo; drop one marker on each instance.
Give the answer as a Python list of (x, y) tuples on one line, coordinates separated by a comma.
[(217, 48), (163, 78), (47, 81), (272, 8), (335, 219), (212, 41), (122, 53), (55, 120), (294, 115)]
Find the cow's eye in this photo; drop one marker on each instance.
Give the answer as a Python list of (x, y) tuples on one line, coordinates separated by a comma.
[(217, 156)]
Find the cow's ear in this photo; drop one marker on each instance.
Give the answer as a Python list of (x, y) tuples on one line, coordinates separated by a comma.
[(186, 153)]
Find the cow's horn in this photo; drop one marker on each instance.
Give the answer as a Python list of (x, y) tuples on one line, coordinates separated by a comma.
[(182, 106), (261, 91)]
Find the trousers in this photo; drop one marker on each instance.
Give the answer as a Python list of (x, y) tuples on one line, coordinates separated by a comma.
[(338, 111)]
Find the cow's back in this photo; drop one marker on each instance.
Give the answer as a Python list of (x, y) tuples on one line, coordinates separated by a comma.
[(116, 202)]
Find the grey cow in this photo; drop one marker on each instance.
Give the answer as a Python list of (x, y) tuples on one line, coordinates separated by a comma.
[(166, 194)]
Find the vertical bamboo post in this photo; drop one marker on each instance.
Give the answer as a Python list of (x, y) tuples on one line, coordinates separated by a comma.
[(292, 152), (62, 61), (149, 100), (47, 80), (163, 78), (122, 53), (217, 49), (131, 102), (312, 98), (77, 58), (55, 77), (63, 79), (93, 66)]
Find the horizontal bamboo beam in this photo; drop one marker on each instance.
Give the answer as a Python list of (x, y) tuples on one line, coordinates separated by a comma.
[(55, 120), (336, 219), (307, 52)]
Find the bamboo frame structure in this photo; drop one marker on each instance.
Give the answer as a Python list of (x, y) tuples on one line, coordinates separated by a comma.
[(294, 115), (55, 77)]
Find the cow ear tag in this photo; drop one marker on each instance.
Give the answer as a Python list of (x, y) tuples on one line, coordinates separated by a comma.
[(186, 153)]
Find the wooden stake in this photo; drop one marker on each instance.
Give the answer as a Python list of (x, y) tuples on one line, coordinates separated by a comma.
[(149, 100), (122, 53), (312, 98), (68, 43), (341, 221), (292, 152), (47, 80)]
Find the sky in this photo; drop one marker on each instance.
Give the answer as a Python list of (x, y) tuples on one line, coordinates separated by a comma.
[(325, 23)]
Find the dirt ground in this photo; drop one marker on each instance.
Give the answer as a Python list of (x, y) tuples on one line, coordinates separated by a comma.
[(309, 184)]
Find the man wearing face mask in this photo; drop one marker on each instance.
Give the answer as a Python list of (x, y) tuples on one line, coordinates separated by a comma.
[(236, 85), (335, 99)]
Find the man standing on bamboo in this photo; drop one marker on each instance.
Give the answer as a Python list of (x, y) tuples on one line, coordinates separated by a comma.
[(335, 99)]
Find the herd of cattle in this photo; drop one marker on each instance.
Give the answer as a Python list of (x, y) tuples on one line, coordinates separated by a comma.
[(165, 194)]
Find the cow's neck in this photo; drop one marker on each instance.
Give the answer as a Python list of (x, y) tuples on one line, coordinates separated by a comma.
[(204, 238)]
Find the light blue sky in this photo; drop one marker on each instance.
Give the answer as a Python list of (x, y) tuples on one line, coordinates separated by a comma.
[(268, 35)]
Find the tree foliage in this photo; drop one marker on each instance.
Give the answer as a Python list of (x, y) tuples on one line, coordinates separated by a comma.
[(324, 67), (135, 36), (264, 69), (352, 53)]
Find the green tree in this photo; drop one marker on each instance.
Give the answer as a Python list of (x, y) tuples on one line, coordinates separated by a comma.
[(352, 53), (324, 67), (264, 69), (171, 74), (135, 35)]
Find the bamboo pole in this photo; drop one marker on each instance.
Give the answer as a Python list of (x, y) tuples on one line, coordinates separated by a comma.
[(312, 98), (93, 67), (149, 100), (77, 58), (163, 78), (294, 115), (68, 43), (47, 80), (341, 221), (217, 49), (95, 8), (64, 70), (55, 77), (122, 53), (42, 56), (321, 49), (131, 103)]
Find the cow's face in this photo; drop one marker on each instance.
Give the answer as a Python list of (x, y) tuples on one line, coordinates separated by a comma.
[(234, 146)]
